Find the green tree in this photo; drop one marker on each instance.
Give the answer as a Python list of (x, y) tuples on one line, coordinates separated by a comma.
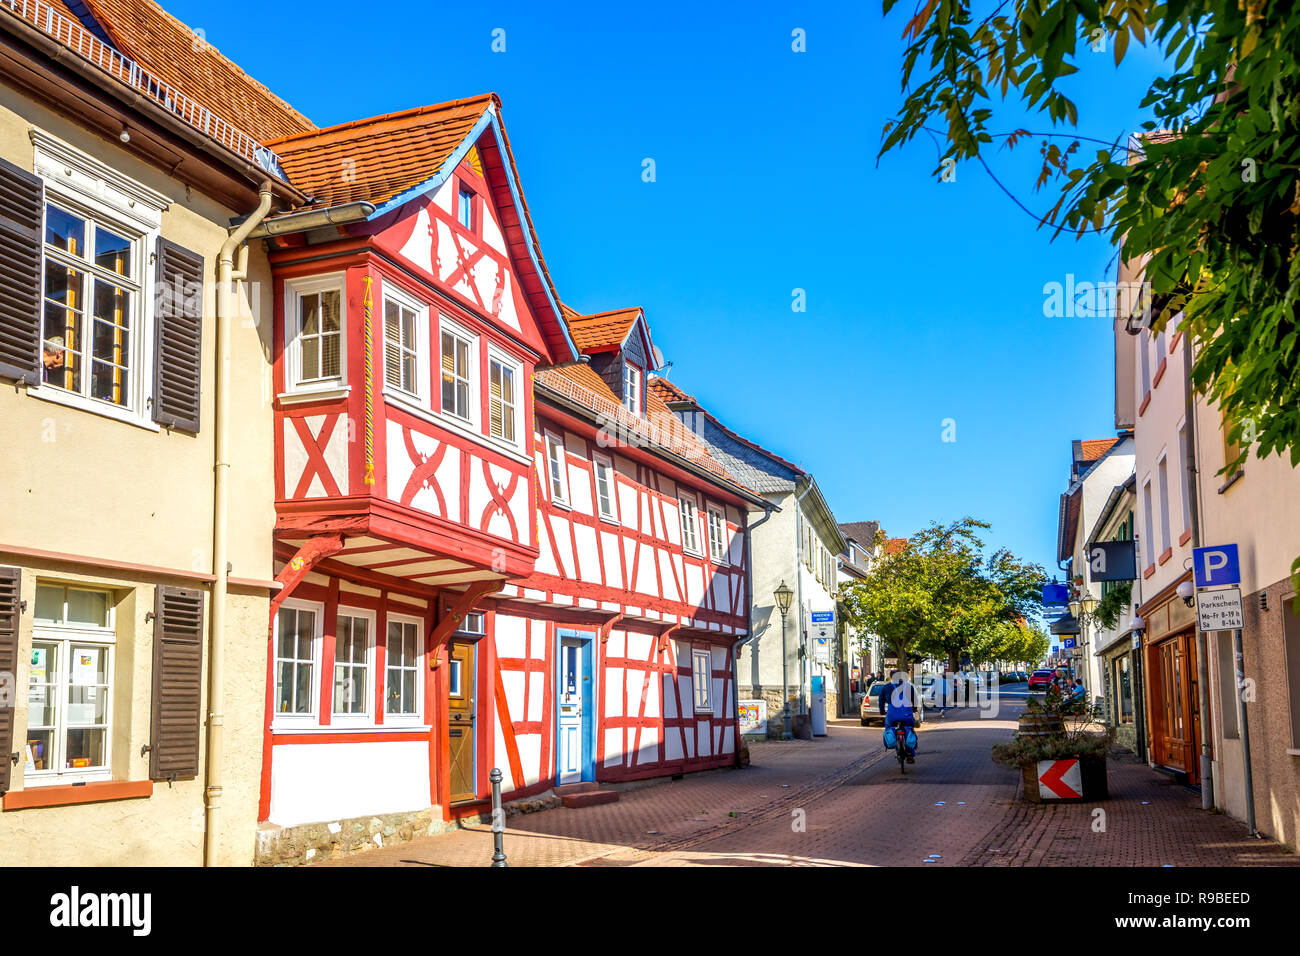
[(1212, 203), (938, 592)]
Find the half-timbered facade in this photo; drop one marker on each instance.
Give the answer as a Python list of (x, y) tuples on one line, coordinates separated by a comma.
[(616, 657)]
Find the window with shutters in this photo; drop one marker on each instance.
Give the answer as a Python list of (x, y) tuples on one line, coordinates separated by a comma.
[(298, 626), (354, 646), (96, 313), (69, 686), (606, 501), (315, 334), (402, 686), (504, 377), (406, 325), (689, 510), (459, 359)]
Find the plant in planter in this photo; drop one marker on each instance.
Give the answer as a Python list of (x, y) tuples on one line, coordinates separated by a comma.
[(1047, 736)]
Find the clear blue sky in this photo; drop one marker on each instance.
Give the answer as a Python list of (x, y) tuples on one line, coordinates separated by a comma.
[(924, 299)]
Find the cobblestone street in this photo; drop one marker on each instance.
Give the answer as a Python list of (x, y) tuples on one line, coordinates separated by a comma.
[(840, 801)]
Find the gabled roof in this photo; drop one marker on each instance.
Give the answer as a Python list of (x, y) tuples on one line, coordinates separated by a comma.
[(377, 159), (146, 33), (396, 158), (602, 331), (1068, 523), (895, 545), (1086, 451), (660, 428)]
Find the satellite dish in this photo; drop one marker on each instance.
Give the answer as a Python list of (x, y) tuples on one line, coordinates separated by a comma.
[(658, 356)]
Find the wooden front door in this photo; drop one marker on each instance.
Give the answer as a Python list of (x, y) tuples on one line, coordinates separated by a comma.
[(460, 730), (574, 711), (1175, 705)]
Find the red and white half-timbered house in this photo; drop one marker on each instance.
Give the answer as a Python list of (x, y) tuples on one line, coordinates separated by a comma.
[(444, 609), (616, 656)]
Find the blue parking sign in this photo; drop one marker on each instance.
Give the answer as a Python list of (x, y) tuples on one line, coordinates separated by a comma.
[(1216, 565), (1070, 642)]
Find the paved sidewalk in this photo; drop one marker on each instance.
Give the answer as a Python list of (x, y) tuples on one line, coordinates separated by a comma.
[(656, 817)]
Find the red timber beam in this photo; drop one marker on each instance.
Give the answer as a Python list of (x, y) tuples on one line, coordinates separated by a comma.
[(608, 626), (312, 551), (447, 625)]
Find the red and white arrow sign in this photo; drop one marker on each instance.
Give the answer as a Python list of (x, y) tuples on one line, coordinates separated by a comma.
[(1060, 780)]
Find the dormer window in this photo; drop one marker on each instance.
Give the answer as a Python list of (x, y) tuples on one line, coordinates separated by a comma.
[(632, 389), (465, 208)]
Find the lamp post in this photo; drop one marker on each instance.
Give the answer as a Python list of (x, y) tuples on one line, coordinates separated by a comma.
[(783, 597)]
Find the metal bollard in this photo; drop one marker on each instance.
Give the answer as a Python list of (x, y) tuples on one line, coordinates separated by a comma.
[(498, 819)]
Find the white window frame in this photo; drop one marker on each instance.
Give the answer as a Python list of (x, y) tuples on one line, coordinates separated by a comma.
[(560, 497), (461, 192), (87, 187), (312, 717), (473, 390), (294, 290), (367, 715), (66, 636), (686, 501), (632, 387), (599, 461), (697, 655), (719, 556), (1148, 524), (405, 300), (516, 366), (390, 717)]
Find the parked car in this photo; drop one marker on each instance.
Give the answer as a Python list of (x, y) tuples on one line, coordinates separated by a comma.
[(1040, 679), (1021, 676)]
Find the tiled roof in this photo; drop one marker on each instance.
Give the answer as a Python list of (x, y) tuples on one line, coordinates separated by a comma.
[(1093, 448), (174, 53), (671, 393), (895, 545), (863, 532), (660, 428), (1069, 523), (375, 159), (601, 331)]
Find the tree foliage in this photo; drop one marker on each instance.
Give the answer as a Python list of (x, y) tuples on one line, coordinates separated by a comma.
[(1209, 197), (937, 593), (1009, 641)]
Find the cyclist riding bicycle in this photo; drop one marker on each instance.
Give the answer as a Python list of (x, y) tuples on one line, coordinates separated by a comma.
[(899, 704)]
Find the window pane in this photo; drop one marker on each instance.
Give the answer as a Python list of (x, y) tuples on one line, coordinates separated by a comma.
[(87, 706), (392, 344), (88, 607), (85, 749), (455, 679), (284, 689), (38, 752), (306, 625), (286, 621), (112, 252), (65, 231), (311, 358), (330, 355), (49, 603), (462, 399), (59, 350), (89, 666), (311, 314), (302, 693), (41, 677), (329, 309)]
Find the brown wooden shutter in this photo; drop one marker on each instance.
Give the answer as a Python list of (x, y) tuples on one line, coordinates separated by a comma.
[(9, 610), (178, 337), (177, 683), (22, 200)]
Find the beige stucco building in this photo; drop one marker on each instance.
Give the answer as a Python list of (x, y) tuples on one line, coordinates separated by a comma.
[(114, 203)]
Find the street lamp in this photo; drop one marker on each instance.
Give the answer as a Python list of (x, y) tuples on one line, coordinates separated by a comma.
[(1074, 607), (1089, 604), (783, 597), (1187, 591)]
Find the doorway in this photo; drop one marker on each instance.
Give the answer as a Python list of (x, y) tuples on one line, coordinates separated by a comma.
[(461, 730), (1174, 705), (575, 702)]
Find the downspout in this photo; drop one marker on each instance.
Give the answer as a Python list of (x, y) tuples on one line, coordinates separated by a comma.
[(749, 632), (1193, 507), (226, 302)]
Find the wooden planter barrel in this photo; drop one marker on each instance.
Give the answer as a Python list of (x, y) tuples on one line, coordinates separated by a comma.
[(1040, 725)]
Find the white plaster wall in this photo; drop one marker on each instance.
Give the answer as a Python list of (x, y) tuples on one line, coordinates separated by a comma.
[(319, 782)]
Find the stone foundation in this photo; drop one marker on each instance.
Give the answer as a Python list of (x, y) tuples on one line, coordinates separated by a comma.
[(314, 842)]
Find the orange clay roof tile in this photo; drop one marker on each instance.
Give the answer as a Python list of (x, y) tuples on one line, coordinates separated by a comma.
[(375, 159), (1094, 448), (602, 330), (175, 54)]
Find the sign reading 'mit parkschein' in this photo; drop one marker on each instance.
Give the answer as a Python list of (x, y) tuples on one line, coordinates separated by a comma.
[(1219, 610)]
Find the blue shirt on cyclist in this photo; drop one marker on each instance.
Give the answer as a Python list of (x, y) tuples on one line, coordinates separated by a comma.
[(898, 703)]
